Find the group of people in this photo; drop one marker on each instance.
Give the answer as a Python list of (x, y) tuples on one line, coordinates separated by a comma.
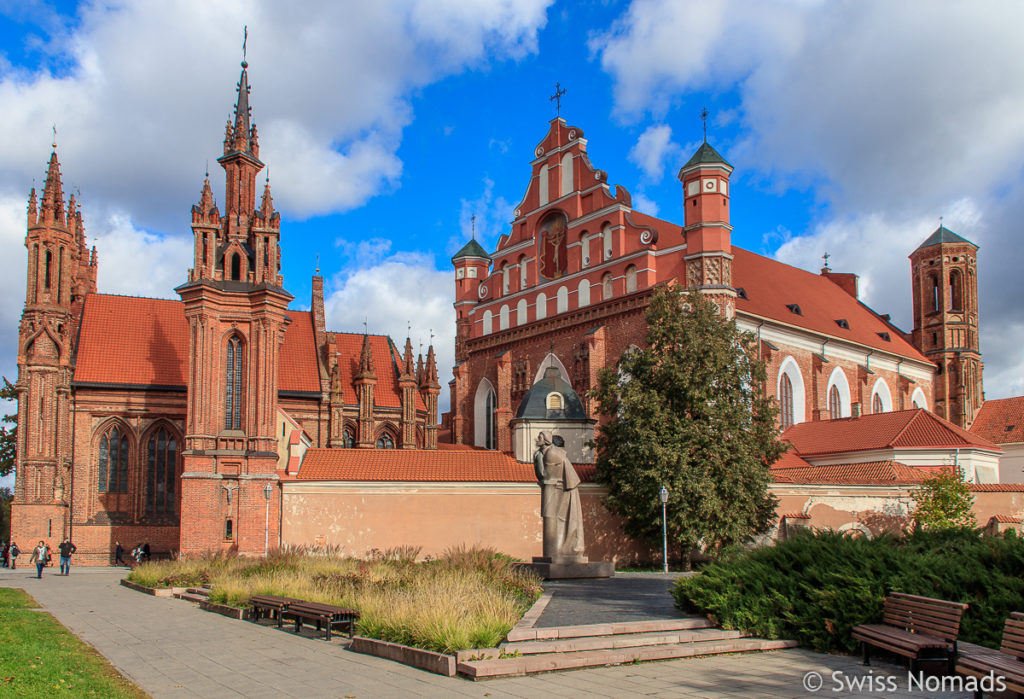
[(139, 554), (40, 556)]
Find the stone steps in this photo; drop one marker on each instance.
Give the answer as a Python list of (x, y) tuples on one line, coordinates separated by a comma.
[(613, 641), (547, 662), (194, 594), (626, 627)]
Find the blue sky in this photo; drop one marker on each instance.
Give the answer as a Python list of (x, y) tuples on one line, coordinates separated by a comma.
[(852, 127)]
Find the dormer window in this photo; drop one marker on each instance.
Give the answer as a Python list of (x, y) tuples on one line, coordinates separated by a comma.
[(741, 292), (794, 309), (555, 405), (842, 323), (885, 336)]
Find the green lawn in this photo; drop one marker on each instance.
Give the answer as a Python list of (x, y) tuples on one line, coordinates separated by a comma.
[(40, 658)]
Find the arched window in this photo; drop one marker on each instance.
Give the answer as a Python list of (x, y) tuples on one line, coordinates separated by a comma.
[(562, 300), (790, 393), (385, 441), (505, 278), (542, 189), (584, 250), (347, 439), (956, 291), (583, 294), (606, 286), (606, 242), (49, 263), (486, 324), (934, 292), (60, 272), (503, 318), (630, 279), (785, 402), (835, 405), (521, 318), (233, 385), (542, 306), (484, 404), (918, 399), (881, 398), (567, 178), (522, 272), (161, 473), (236, 267), (113, 462)]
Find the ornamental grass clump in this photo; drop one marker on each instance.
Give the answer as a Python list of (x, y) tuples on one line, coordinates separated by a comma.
[(466, 598), (815, 587)]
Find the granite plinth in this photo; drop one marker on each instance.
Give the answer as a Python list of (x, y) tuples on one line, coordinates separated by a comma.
[(550, 570)]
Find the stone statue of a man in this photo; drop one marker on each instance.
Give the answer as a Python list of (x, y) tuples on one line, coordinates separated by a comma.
[(560, 503)]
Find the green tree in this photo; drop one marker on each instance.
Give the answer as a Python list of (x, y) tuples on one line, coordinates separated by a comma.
[(689, 412), (5, 513), (8, 430), (944, 502)]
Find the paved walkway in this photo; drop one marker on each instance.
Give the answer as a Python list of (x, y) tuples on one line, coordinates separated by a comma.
[(624, 597), (171, 648)]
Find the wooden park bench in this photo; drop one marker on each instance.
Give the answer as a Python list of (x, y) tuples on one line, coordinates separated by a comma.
[(1006, 662), (914, 627), (270, 605), (326, 616)]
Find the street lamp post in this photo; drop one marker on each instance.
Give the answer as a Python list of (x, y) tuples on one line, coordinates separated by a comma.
[(664, 527), (267, 490)]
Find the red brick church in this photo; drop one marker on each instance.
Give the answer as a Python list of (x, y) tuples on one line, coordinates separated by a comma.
[(227, 421), (173, 422)]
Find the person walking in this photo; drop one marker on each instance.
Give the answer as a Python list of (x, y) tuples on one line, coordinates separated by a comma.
[(66, 549), (145, 552), (6, 555), (14, 553), (40, 554), (119, 554)]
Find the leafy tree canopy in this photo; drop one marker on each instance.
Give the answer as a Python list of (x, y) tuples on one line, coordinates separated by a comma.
[(944, 502), (689, 412), (8, 430)]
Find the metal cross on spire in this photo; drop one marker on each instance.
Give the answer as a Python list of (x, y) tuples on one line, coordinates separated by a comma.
[(825, 257), (55, 136), (940, 218), (318, 263), (245, 40), (472, 223), (432, 337), (557, 98), (408, 328), (704, 118)]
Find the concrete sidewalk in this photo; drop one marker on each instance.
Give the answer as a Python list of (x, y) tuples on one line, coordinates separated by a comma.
[(171, 648)]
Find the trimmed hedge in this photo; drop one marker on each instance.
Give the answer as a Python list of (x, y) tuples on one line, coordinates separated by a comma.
[(814, 588)]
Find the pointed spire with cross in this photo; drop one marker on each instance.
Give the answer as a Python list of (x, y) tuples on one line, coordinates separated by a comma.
[(472, 223), (825, 257), (557, 98), (704, 114)]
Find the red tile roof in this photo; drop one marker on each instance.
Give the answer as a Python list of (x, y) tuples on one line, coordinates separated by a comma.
[(128, 340), (413, 465), (790, 460), (298, 370), (1004, 519), (871, 473), (1001, 421), (996, 487), (796, 515), (417, 465), (903, 429), (131, 340), (770, 286)]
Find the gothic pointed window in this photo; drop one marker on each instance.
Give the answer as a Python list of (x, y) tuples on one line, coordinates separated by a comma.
[(60, 272), (785, 402), (113, 462), (835, 404), (385, 441), (233, 385), (956, 291), (236, 267), (876, 405), (49, 262), (934, 292), (347, 440), (161, 473)]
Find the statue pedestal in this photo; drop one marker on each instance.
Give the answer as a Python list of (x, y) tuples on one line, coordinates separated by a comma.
[(569, 568)]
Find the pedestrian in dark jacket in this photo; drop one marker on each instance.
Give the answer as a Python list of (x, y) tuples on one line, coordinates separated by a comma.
[(119, 554), (14, 553), (66, 549), (6, 555), (145, 551)]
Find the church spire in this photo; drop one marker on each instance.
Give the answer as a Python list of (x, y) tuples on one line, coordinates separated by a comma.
[(53, 190), (366, 361)]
